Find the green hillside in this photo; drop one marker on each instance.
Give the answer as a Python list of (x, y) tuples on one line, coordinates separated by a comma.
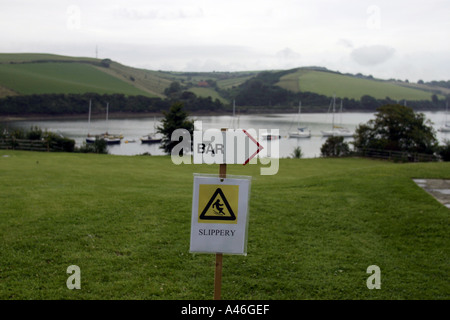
[(29, 73), (329, 83), (60, 77), (33, 57), (36, 73)]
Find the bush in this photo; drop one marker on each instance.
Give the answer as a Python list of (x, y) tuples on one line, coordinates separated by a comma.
[(35, 133), (297, 154), (99, 146), (335, 147), (60, 143)]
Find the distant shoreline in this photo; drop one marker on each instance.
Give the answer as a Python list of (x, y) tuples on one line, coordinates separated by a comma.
[(111, 115), (134, 115), (127, 115)]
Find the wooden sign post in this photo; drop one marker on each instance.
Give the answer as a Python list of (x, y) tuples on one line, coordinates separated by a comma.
[(219, 256), (219, 220)]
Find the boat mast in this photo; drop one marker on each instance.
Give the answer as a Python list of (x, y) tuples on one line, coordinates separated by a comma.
[(334, 110), (89, 118), (234, 114), (446, 113), (107, 107), (234, 107)]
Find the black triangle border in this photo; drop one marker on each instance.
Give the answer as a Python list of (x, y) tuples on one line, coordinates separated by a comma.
[(219, 191)]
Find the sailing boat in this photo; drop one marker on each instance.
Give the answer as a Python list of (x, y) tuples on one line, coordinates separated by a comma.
[(301, 132), (336, 131), (151, 138), (110, 139), (446, 127), (234, 119)]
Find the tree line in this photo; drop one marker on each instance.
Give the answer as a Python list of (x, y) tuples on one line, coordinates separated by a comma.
[(63, 104)]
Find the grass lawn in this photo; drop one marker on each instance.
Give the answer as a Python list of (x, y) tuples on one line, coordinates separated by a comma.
[(314, 229)]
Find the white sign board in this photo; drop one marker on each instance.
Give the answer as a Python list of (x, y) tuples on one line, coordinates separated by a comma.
[(220, 214), (225, 147)]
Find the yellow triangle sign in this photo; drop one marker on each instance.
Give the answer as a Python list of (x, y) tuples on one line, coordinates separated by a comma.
[(218, 209)]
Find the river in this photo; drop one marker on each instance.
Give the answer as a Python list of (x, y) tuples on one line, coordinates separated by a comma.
[(132, 128)]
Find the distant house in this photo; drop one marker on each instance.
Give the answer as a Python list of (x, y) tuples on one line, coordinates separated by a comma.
[(203, 84)]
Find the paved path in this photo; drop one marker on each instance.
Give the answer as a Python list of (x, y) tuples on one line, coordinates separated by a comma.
[(438, 188)]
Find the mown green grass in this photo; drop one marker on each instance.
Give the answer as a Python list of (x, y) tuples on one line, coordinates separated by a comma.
[(328, 83), (314, 229), (60, 77)]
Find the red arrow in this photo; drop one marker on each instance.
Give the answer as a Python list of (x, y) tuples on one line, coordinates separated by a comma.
[(260, 147)]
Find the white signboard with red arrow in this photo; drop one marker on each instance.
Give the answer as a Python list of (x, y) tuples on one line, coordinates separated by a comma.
[(234, 146)]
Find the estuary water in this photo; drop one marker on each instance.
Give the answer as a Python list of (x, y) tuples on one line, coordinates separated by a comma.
[(133, 128)]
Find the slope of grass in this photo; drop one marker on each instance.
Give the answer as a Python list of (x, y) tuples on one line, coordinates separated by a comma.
[(328, 83), (208, 92), (152, 82), (59, 77), (314, 229), (28, 57)]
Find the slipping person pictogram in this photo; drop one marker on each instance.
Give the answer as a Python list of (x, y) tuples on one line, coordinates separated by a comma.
[(217, 208), (217, 205)]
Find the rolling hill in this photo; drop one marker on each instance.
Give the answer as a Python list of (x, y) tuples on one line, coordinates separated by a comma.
[(352, 87), (32, 73)]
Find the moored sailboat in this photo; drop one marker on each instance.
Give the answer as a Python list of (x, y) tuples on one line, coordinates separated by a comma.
[(109, 138), (302, 132), (336, 131), (446, 126)]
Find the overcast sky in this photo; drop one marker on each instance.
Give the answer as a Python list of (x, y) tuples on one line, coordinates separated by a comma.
[(387, 39)]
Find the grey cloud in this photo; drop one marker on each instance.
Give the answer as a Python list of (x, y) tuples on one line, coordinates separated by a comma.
[(372, 55)]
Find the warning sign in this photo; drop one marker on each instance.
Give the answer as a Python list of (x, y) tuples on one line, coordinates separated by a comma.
[(220, 214), (218, 203)]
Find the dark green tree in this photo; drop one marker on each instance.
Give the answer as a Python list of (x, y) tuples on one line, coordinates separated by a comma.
[(176, 118), (444, 151), (397, 128), (335, 147), (174, 90)]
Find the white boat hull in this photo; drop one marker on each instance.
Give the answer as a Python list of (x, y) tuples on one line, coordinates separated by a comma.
[(300, 135), (109, 140), (337, 133)]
